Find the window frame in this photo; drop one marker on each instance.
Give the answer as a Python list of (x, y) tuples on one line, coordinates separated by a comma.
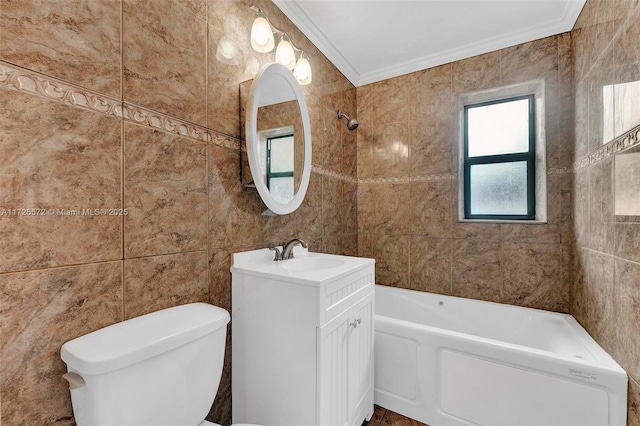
[(535, 88), (529, 157), (271, 174)]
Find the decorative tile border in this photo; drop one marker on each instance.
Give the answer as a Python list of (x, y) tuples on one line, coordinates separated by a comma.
[(159, 121), (21, 80), (25, 81), (623, 142), (407, 179), (558, 171), (330, 173)]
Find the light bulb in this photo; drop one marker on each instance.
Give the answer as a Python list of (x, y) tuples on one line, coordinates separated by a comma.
[(262, 36), (302, 71), (285, 54)]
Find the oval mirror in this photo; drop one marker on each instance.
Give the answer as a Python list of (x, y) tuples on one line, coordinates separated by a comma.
[(278, 135)]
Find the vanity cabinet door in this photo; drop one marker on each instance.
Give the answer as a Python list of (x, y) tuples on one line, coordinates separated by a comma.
[(345, 366), (333, 363), (360, 395)]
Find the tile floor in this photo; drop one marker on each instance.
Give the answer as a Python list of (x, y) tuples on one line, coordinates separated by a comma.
[(384, 417)]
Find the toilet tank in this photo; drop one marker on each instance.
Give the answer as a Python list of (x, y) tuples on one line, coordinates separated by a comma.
[(162, 368)]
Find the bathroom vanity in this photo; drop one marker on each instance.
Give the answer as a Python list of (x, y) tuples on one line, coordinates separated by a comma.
[(302, 333)]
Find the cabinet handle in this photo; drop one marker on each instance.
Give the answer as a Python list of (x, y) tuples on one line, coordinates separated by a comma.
[(356, 322)]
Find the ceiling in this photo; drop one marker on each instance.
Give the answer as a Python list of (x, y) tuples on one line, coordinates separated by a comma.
[(373, 40)]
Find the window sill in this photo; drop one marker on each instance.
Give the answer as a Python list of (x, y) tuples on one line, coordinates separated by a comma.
[(510, 222)]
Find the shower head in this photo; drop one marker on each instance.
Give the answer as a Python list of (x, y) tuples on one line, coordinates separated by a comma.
[(352, 123)]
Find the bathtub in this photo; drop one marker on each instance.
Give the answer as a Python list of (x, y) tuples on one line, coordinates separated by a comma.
[(452, 361)]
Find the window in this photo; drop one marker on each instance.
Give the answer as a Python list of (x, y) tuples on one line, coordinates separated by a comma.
[(280, 167), (502, 168)]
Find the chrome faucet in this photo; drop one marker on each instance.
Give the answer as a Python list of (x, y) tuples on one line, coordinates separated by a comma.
[(287, 248)]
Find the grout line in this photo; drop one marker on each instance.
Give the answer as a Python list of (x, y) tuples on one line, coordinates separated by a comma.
[(122, 164), (73, 265), (609, 45)]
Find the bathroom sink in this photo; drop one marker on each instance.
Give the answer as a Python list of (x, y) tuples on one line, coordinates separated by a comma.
[(312, 263), (306, 267)]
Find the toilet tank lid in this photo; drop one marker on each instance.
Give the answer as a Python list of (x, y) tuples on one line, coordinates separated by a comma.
[(137, 339)]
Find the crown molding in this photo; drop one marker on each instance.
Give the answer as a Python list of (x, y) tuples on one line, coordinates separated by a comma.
[(317, 37), (297, 15)]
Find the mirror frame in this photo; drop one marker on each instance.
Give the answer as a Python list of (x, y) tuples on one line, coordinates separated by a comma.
[(265, 72)]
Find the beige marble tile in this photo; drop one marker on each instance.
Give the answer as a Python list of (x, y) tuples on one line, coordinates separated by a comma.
[(599, 275), (528, 61), (165, 193), (581, 206), (365, 130), (542, 233), (229, 21), (73, 40), (567, 224), (390, 150), (349, 137), (349, 208), (477, 270), (430, 209), (627, 300), (627, 41), (389, 100), (627, 237), (332, 129), (57, 159), (433, 121), (430, 93), (220, 277), (579, 305), (601, 217), (581, 125), (365, 245), (474, 231), (160, 282), (392, 259), (366, 208), (392, 209), (234, 212), (40, 311), (476, 73), (532, 276), (309, 216), (348, 244), (165, 58), (430, 265), (331, 206)]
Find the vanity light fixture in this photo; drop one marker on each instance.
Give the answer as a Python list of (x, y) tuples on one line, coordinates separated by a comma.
[(263, 41), (285, 54), (261, 34)]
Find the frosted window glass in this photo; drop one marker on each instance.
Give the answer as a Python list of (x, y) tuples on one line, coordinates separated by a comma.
[(501, 128), (499, 188), (281, 188), (282, 154)]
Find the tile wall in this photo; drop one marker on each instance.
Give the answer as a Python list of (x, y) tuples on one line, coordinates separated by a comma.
[(121, 104), (407, 183), (605, 291)]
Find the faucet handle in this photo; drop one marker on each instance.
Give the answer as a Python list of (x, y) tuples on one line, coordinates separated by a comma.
[(278, 255)]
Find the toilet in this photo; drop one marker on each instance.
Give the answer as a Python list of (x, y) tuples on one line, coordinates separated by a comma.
[(162, 368)]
